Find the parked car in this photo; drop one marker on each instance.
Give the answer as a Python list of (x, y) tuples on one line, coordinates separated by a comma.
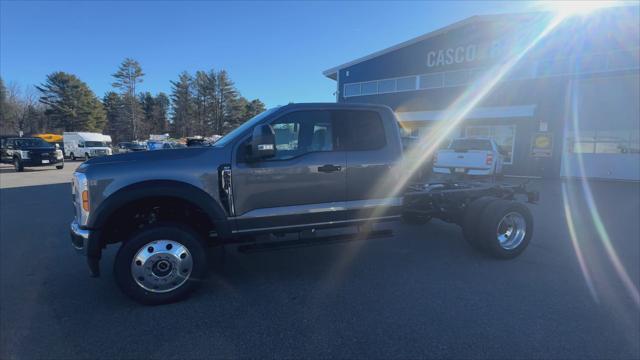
[(469, 156), (165, 145), (30, 152), (191, 142), (125, 147), (54, 139), (86, 145), (291, 168)]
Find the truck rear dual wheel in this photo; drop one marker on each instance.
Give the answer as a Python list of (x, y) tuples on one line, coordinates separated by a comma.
[(161, 264), (502, 229)]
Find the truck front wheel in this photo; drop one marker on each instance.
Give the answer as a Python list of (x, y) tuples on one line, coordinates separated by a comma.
[(17, 165), (160, 264), (505, 228)]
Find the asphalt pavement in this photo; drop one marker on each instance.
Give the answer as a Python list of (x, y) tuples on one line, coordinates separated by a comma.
[(421, 292)]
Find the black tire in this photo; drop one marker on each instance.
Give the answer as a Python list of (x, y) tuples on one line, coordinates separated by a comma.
[(415, 219), (17, 165), (87, 156), (489, 227), (472, 217), (60, 167), (72, 156), (138, 242)]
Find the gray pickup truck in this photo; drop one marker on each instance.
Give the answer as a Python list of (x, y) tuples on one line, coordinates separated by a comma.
[(289, 169)]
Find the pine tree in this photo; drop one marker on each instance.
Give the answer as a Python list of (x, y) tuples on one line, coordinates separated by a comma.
[(70, 104), (161, 113), (129, 74), (118, 126), (182, 100), (227, 96), (3, 106), (155, 109)]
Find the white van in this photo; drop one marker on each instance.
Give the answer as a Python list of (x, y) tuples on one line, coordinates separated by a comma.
[(86, 145)]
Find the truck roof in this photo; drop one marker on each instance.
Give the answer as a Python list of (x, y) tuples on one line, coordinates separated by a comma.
[(341, 106), (88, 136)]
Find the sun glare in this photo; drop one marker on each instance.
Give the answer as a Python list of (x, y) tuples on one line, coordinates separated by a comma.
[(570, 8)]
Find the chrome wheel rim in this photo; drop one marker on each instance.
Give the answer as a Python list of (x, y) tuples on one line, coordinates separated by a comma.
[(511, 231), (161, 266)]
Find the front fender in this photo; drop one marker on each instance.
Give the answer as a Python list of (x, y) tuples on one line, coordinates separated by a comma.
[(163, 188)]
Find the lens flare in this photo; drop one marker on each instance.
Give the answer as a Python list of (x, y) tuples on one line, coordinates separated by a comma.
[(572, 8), (392, 185), (596, 219), (575, 242)]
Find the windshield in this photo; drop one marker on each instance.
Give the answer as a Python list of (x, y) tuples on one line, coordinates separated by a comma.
[(32, 142), (470, 144), (95, 144), (245, 126)]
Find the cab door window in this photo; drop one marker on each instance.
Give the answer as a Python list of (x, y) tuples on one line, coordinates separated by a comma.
[(360, 130), (302, 132)]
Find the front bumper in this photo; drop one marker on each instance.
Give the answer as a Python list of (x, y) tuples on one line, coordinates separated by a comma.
[(39, 162), (86, 243), (79, 238)]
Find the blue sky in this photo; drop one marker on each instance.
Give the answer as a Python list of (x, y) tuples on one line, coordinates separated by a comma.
[(275, 51)]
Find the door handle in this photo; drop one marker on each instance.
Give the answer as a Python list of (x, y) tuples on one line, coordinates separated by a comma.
[(329, 168)]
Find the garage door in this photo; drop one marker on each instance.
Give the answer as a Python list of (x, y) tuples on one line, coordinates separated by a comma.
[(602, 137)]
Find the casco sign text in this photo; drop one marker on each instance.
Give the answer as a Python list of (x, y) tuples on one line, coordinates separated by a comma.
[(464, 54), (457, 55)]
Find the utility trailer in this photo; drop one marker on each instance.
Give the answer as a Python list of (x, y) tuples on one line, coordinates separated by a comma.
[(491, 216)]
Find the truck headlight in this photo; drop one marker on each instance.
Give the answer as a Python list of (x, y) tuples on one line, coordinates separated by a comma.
[(81, 198), (24, 154)]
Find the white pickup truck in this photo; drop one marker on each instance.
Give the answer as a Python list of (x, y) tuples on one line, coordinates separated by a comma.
[(469, 156)]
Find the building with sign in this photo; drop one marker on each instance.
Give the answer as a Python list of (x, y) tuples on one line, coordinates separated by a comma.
[(559, 95)]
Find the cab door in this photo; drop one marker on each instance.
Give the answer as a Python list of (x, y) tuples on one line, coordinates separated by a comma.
[(304, 183), (374, 153), (6, 152)]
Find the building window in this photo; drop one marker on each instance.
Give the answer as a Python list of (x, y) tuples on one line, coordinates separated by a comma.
[(503, 135), (622, 60), (605, 142), (386, 86), (554, 67), (369, 88), (592, 63), (351, 90), (522, 71), (406, 83), (456, 78), (431, 81)]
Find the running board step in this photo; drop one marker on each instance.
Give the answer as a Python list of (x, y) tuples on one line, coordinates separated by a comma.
[(313, 241)]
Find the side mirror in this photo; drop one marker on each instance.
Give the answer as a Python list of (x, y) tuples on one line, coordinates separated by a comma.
[(57, 146), (263, 142), (80, 145)]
